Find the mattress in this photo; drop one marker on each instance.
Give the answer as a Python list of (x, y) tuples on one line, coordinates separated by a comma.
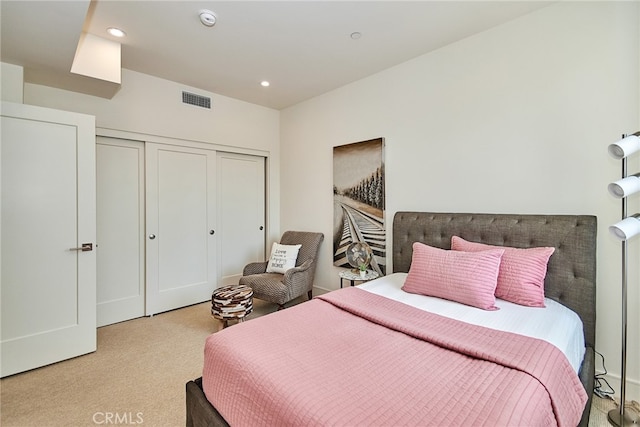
[(555, 323)]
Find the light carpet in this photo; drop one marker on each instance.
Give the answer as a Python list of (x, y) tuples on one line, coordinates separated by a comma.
[(136, 377)]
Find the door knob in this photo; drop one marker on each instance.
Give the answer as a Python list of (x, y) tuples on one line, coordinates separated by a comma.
[(85, 247), (152, 236)]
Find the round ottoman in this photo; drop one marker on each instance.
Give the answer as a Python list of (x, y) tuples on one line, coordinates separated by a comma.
[(232, 302)]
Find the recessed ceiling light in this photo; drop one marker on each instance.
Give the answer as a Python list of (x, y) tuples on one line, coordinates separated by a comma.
[(264, 83), (116, 32), (356, 35)]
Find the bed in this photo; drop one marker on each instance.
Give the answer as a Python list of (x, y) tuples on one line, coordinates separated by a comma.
[(396, 378)]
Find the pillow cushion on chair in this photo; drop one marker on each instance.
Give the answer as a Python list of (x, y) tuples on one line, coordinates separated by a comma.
[(283, 257)]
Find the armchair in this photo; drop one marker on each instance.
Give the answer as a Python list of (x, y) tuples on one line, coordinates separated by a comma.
[(282, 288)]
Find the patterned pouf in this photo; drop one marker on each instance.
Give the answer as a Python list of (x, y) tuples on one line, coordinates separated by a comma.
[(232, 302)]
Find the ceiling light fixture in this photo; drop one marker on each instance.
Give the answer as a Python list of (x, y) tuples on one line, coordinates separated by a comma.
[(207, 18), (355, 35), (116, 32), (264, 83)]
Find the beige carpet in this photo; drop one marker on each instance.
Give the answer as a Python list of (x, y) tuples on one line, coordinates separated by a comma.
[(137, 376), (599, 410)]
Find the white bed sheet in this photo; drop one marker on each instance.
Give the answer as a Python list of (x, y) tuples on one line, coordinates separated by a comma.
[(555, 323)]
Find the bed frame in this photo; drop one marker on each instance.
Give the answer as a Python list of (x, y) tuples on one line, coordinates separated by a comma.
[(570, 280)]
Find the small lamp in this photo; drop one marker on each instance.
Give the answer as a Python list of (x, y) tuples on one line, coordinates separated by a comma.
[(627, 228), (625, 147), (625, 187)]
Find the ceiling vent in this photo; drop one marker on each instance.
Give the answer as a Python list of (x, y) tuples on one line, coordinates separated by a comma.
[(197, 100)]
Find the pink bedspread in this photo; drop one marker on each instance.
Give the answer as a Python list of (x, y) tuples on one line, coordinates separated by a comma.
[(355, 358)]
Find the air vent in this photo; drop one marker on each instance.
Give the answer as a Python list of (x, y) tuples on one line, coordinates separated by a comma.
[(197, 100)]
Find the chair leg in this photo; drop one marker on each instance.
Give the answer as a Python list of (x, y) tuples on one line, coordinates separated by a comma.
[(310, 294)]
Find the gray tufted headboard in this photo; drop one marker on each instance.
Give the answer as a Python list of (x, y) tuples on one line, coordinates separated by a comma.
[(571, 273)]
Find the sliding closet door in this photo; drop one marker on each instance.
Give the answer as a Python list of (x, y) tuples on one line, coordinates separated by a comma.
[(121, 233), (241, 214), (180, 235)]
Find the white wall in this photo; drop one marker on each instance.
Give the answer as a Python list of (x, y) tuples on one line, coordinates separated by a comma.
[(153, 106), (513, 120), (11, 82)]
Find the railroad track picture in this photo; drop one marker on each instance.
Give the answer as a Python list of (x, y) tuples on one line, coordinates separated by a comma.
[(358, 192)]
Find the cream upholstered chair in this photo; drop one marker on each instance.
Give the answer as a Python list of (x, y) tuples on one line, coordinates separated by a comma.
[(282, 288)]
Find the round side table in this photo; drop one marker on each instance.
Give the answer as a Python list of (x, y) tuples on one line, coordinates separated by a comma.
[(354, 276)]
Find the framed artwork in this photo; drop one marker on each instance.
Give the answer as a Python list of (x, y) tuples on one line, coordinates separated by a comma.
[(359, 201)]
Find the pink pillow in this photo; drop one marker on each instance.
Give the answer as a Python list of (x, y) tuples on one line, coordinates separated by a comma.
[(522, 271), (466, 277)]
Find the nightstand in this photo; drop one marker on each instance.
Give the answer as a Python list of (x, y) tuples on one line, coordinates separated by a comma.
[(354, 276)]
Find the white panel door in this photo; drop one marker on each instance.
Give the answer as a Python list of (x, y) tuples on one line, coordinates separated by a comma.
[(48, 287), (241, 214), (120, 232), (180, 197)]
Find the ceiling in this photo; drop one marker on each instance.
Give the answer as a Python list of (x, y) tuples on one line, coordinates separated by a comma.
[(303, 48)]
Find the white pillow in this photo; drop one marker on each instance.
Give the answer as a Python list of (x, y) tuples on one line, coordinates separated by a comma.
[(283, 257)]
